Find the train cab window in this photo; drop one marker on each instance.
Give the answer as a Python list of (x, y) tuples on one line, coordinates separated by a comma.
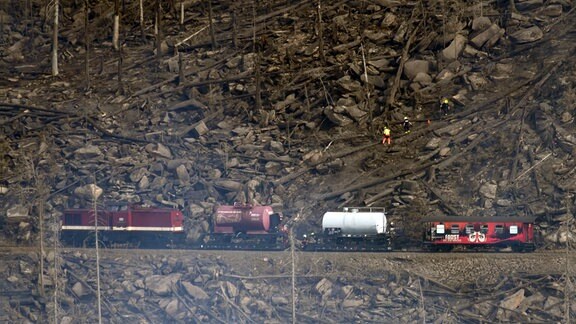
[(499, 229), (469, 228), (455, 229), (73, 219), (440, 229), (514, 229), (484, 229)]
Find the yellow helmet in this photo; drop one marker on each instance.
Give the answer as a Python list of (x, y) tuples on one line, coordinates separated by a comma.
[(445, 100)]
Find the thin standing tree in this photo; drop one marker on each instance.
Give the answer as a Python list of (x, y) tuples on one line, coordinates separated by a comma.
[(320, 33), (181, 14), (158, 30), (86, 45), (211, 22), (116, 31), (141, 6), (55, 40), (96, 192)]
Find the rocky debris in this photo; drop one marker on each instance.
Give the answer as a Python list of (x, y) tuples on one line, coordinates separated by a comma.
[(205, 140), (527, 35), (238, 285), (264, 114), (194, 291)]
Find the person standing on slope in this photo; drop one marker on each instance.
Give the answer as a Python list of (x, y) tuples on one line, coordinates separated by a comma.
[(386, 139), (406, 124)]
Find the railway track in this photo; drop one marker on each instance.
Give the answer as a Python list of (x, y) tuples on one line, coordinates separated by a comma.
[(404, 253)]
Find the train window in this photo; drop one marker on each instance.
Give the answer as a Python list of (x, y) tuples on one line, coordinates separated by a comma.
[(73, 219), (513, 229), (469, 228), (484, 229), (499, 229), (440, 229), (455, 229)]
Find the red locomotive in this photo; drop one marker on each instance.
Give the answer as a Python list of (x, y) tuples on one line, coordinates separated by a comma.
[(447, 233), (129, 224)]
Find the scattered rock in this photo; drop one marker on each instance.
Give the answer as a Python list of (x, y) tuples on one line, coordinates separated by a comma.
[(527, 35), (488, 190), (195, 291), (88, 152), (162, 285), (159, 150), (17, 212), (455, 49), (413, 67), (80, 290), (324, 287)]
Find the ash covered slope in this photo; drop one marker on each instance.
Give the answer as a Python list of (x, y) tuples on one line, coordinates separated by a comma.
[(284, 102), (281, 103), (294, 122)]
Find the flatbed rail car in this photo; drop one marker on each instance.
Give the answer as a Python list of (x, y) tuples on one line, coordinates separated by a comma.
[(478, 233), (124, 225)]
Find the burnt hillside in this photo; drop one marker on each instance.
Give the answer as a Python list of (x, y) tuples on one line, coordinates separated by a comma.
[(283, 103)]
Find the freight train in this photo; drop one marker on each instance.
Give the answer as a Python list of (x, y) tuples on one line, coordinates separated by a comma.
[(249, 227)]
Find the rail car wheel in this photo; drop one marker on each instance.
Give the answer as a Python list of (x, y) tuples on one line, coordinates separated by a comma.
[(88, 242), (443, 248), (517, 248)]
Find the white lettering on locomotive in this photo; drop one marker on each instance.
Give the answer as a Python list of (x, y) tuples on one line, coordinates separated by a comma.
[(477, 237), (452, 238)]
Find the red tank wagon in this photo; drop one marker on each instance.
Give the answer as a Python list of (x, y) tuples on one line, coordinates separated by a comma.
[(446, 233), (245, 226), (127, 223)]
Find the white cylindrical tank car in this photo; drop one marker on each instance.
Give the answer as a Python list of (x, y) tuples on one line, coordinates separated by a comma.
[(355, 222)]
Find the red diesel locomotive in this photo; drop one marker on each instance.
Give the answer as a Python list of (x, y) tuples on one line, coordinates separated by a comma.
[(448, 233), (130, 225)]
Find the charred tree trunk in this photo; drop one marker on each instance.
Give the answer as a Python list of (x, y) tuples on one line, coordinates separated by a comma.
[(258, 81), (55, 40), (86, 45), (234, 28), (212, 31), (41, 226), (142, 19), (181, 74), (320, 33), (158, 30), (182, 15), (120, 61)]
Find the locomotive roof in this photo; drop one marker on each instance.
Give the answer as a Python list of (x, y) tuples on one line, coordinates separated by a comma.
[(471, 219)]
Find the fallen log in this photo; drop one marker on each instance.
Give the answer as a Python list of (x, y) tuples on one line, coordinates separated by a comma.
[(443, 202), (300, 172), (189, 104), (404, 172)]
